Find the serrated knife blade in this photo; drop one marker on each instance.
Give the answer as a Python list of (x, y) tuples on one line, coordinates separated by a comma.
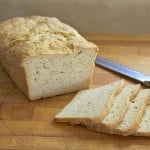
[(124, 70)]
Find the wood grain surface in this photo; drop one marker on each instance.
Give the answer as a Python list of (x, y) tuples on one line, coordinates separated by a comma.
[(29, 125)]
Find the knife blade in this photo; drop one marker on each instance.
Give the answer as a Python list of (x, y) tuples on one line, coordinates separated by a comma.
[(124, 70)]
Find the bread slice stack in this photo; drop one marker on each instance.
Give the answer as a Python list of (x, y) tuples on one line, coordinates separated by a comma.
[(118, 110), (89, 105), (115, 108)]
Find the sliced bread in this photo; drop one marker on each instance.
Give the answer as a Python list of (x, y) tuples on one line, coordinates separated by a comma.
[(118, 109), (134, 114), (144, 127), (88, 105)]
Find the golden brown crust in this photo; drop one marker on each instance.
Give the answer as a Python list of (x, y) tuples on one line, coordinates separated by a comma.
[(32, 36)]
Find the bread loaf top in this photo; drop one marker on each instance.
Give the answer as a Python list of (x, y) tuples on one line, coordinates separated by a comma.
[(37, 35)]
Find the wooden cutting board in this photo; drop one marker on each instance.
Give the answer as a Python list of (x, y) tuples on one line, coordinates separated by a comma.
[(28, 124)]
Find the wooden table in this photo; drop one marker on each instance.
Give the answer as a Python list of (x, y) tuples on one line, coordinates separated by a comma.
[(29, 125)]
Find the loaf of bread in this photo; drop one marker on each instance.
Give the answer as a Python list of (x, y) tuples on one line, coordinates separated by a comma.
[(126, 113), (45, 57)]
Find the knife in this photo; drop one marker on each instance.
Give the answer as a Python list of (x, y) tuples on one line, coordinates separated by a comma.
[(106, 63)]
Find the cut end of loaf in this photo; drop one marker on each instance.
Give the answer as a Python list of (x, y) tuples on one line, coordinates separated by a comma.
[(55, 75)]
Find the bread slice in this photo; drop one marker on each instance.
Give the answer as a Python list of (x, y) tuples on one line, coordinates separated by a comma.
[(134, 114), (144, 126), (118, 109), (88, 105), (45, 57)]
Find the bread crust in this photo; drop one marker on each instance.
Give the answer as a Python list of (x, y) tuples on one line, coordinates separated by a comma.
[(36, 35)]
